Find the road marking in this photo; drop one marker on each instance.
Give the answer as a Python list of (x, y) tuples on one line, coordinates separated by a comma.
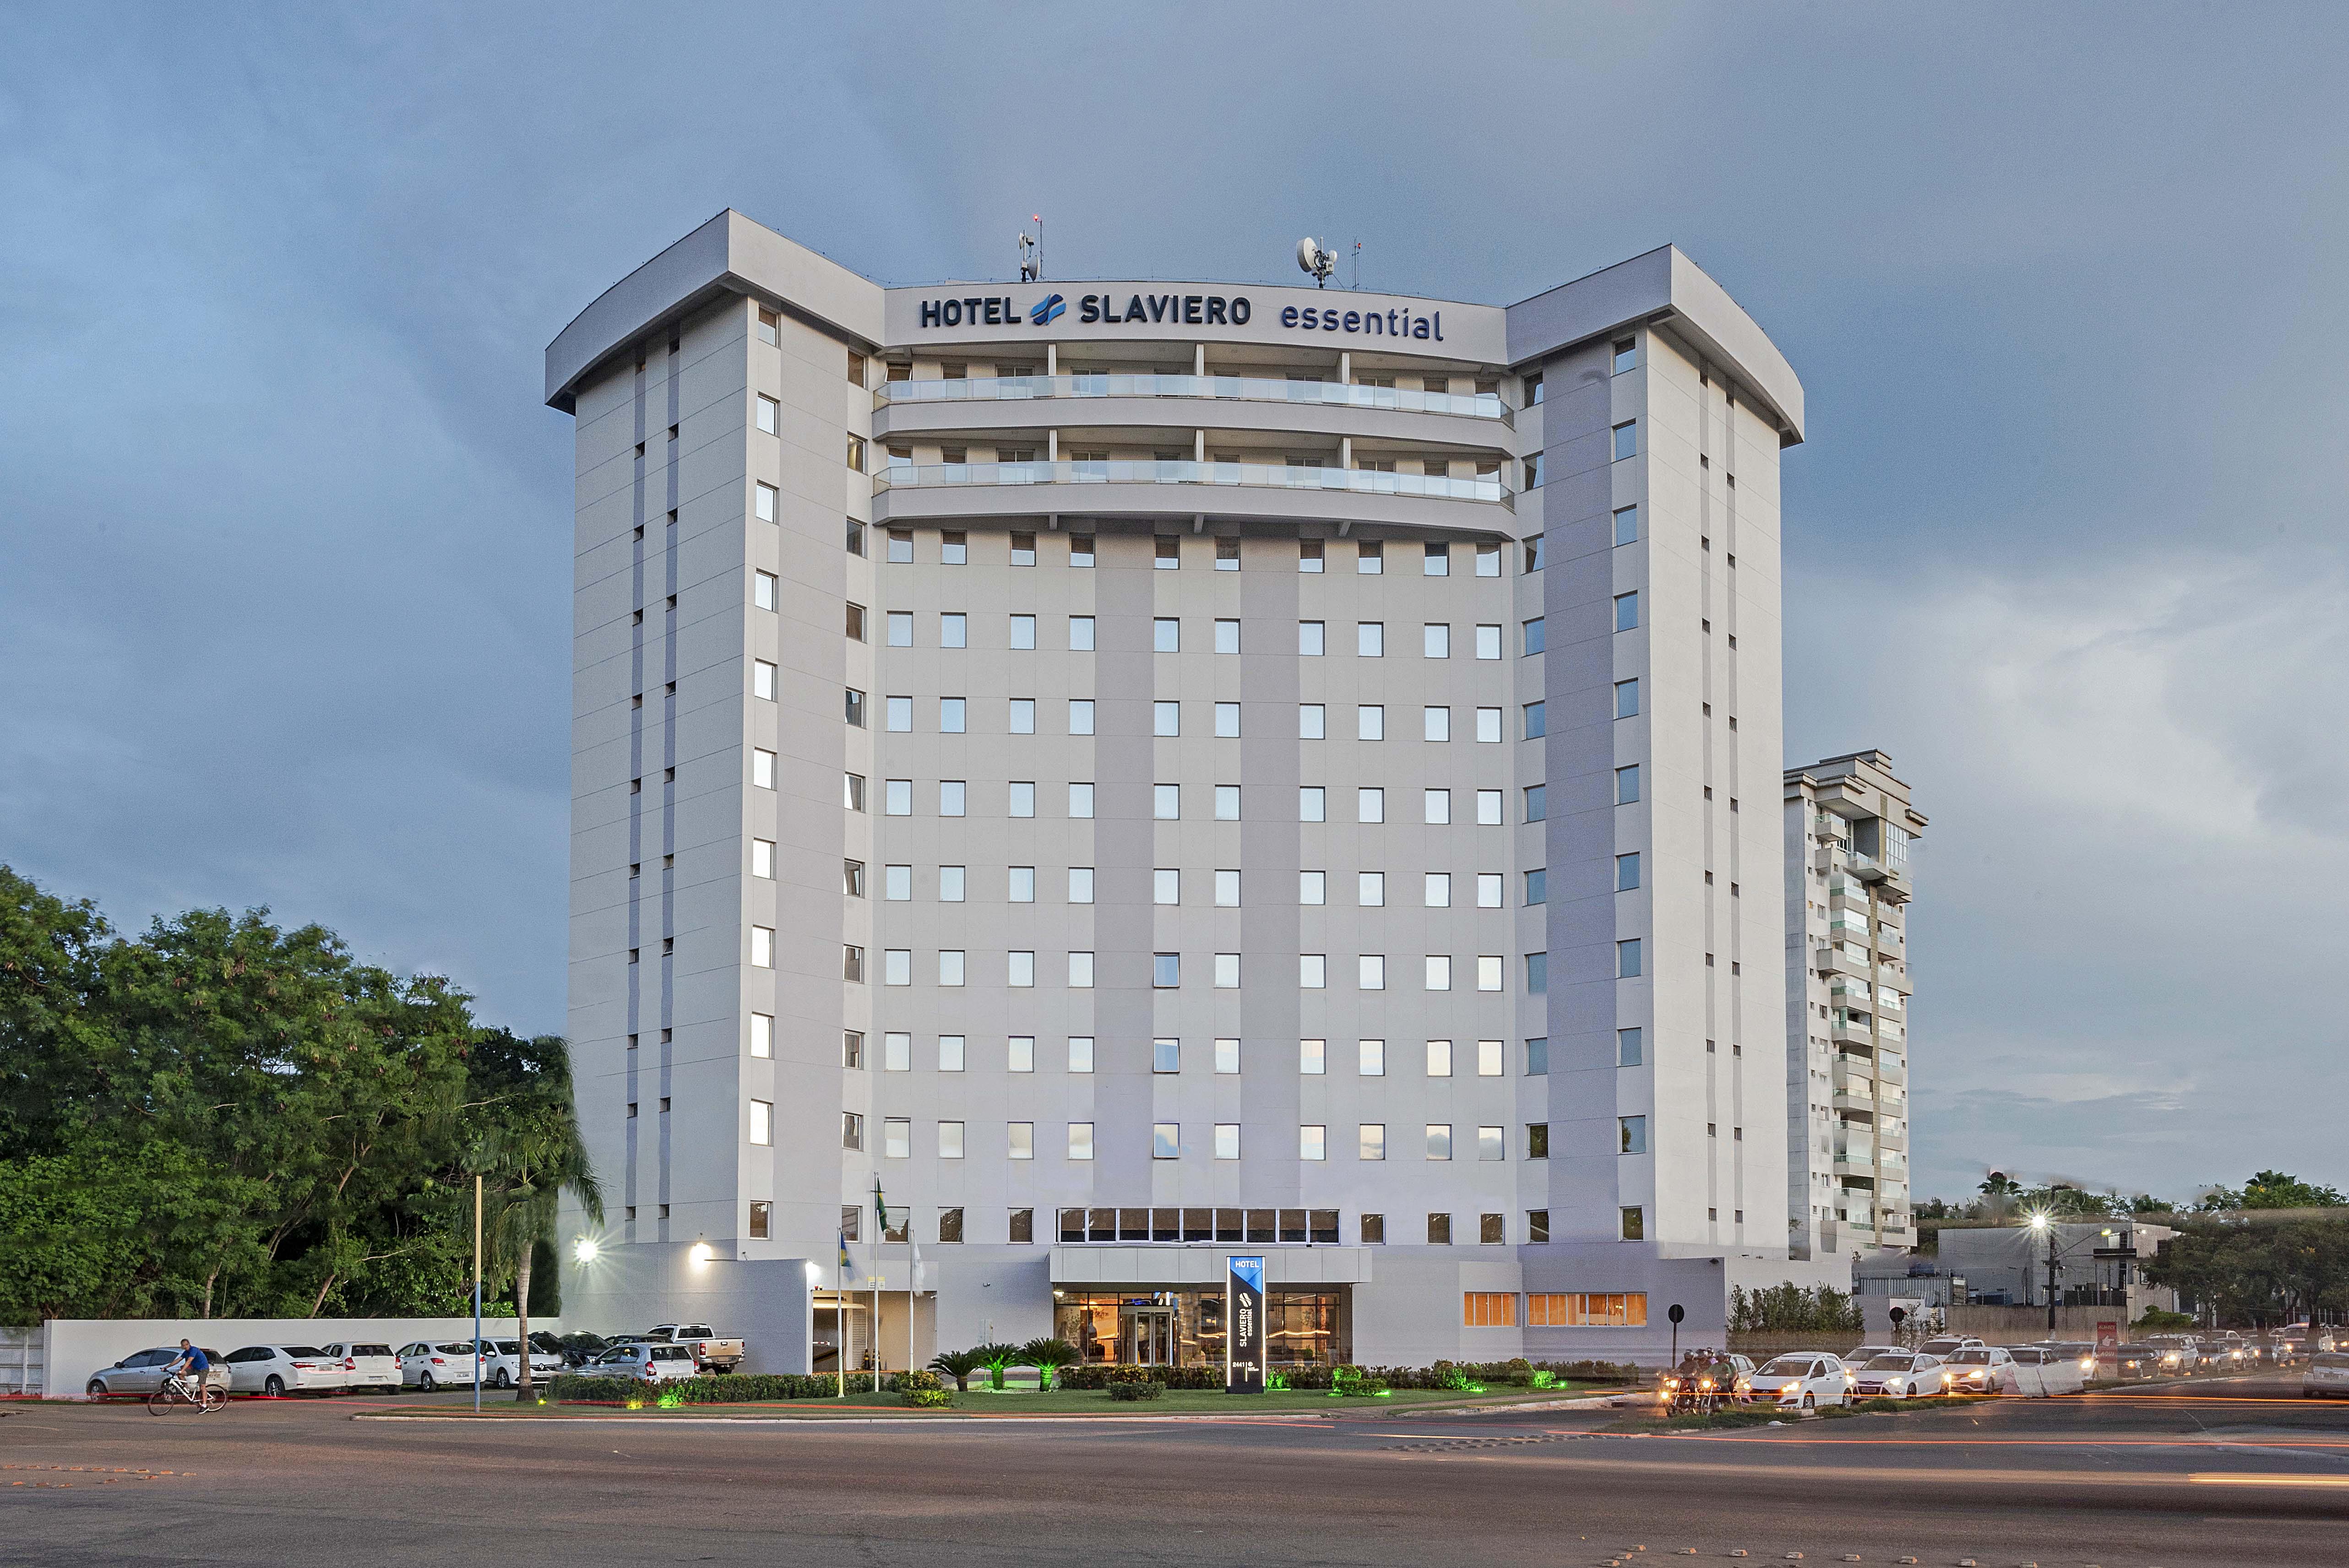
[(2220, 1477)]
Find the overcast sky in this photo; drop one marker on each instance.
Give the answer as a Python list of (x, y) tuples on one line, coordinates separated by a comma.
[(285, 528)]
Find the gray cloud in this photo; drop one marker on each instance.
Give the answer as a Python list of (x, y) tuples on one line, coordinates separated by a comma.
[(284, 532)]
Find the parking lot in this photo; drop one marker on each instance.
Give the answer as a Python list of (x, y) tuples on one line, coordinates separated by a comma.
[(2216, 1470)]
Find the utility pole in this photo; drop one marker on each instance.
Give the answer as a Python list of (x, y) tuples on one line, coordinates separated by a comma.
[(477, 1294), (2051, 1280)]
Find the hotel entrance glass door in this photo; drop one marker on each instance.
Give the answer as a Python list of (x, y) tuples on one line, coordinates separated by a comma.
[(1149, 1336)]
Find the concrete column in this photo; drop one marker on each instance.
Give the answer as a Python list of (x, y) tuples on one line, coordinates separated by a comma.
[(1051, 446), (1346, 368), (1199, 359), (1345, 451), (1051, 359), (1198, 446)]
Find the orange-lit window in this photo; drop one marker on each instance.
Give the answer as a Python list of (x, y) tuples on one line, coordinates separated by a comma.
[(1489, 1308), (1579, 1309)]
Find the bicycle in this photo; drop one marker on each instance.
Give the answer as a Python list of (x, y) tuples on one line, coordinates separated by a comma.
[(175, 1391)]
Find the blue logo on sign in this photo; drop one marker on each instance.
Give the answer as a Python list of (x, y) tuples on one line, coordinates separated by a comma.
[(1047, 310)]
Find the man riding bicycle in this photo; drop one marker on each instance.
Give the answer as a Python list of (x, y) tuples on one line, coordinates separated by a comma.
[(193, 1363)]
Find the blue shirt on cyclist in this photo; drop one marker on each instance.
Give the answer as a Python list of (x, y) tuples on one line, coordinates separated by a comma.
[(192, 1359)]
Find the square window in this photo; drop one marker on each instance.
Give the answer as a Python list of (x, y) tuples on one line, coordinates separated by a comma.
[(1021, 885), (766, 497), (1165, 1055), (1081, 801), (762, 775), (1488, 1058), (1437, 563), (1309, 555), (1312, 971), (1165, 971), (900, 630), (1488, 559), (1227, 971), (1537, 636), (1536, 802), (1626, 872), (1536, 720), (954, 629), (1439, 1140), (1439, 1058), (1627, 439), (896, 1137), (1634, 1224), (1373, 971), (898, 712), (1435, 723), (1080, 550), (1312, 721), (1489, 808), (1166, 886), (1312, 1142), (950, 1051), (1081, 1141), (1435, 806), (1627, 356), (766, 586), (951, 966), (1081, 716), (1435, 891), (852, 963), (1080, 634), (953, 715), (1627, 785), (1227, 1056), (1370, 557), (1167, 635), (1488, 725), (762, 1036), (1488, 641), (1538, 886), (1371, 1059), (896, 883), (1227, 636), (1632, 1133), (896, 1053), (762, 946), (853, 706), (1311, 639), (1227, 1140), (1080, 1053), (1023, 632), (1081, 973), (1021, 1057), (1488, 972), (1227, 555), (1019, 971), (1435, 640), (1227, 889), (1369, 722), (1488, 889), (1312, 887), (1023, 715), (954, 549), (1537, 1058), (761, 1220), (762, 862), (950, 1220), (1312, 803), (1626, 525), (954, 795), (1627, 698), (1627, 959), (1023, 553), (1627, 612), (1166, 802), (1370, 805), (1537, 974), (1023, 798), (1228, 802), (1626, 1047), (1165, 718), (1370, 888), (1169, 556), (1312, 1058), (1370, 639), (901, 545), (1370, 1141)]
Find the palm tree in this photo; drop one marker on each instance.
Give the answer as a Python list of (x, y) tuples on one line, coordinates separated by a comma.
[(1048, 1356), (958, 1365), (530, 1155), (995, 1359)]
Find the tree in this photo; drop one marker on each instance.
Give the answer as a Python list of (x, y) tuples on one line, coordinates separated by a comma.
[(995, 1359), (958, 1365), (529, 1155), (1048, 1356)]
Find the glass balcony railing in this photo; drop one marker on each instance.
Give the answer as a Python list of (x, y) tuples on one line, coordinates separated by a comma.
[(1173, 471), (1246, 388)]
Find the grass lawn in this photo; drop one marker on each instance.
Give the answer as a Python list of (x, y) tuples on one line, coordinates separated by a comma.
[(1088, 1402)]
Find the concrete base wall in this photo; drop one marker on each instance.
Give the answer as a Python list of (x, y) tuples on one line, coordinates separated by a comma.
[(767, 1303), (73, 1348)]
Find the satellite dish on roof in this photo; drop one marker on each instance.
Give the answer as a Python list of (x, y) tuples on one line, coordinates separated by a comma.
[(1311, 258)]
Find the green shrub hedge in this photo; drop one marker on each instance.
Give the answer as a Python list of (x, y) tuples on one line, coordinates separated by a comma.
[(1132, 1388)]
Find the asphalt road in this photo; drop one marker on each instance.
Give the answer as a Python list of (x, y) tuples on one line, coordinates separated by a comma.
[(2237, 1471)]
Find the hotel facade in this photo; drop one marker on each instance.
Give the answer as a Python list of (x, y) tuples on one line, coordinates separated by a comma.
[(1145, 771)]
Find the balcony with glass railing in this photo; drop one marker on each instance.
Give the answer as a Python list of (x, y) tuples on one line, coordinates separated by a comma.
[(1183, 471), (1241, 388)]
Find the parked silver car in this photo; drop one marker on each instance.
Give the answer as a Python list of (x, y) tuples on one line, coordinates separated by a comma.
[(143, 1373)]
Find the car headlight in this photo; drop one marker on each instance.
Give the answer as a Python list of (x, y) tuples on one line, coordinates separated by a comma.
[(1744, 1386)]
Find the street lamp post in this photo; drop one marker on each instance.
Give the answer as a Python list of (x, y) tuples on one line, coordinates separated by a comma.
[(2039, 1222)]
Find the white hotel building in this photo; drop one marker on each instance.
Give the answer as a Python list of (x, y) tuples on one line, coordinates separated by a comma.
[(1147, 771)]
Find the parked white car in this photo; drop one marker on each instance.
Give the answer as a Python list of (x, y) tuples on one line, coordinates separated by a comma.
[(1802, 1382), (2042, 1371), (427, 1366), (141, 1373), (278, 1369), (2327, 1376), (1987, 1369), (1949, 1345), (367, 1366), (502, 1360), (645, 1363), (1897, 1374)]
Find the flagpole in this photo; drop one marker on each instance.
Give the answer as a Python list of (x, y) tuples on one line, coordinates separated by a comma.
[(881, 1219)]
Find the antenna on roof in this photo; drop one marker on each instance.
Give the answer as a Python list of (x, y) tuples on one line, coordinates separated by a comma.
[(1357, 264), (1031, 252), (1313, 258)]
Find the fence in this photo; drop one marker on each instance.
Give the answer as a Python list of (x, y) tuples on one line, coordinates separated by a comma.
[(20, 1361)]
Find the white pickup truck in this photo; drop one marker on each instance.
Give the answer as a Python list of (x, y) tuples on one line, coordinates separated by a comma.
[(710, 1352)]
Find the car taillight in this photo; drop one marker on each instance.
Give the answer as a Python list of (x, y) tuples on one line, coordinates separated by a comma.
[(438, 1362), (350, 1365)]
